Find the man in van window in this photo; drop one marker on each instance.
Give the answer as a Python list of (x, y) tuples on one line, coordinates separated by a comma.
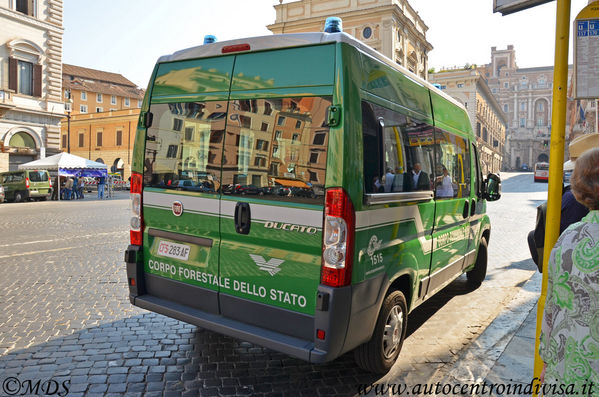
[(416, 179)]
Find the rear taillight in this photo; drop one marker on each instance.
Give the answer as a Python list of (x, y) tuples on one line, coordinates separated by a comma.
[(137, 225), (50, 182), (27, 183), (338, 239)]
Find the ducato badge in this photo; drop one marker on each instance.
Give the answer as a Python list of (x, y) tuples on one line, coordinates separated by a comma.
[(177, 208)]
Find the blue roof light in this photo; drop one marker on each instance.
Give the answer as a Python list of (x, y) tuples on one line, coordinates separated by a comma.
[(333, 25), (208, 39)]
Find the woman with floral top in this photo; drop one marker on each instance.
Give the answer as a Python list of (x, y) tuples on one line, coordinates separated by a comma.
[(570, 328)]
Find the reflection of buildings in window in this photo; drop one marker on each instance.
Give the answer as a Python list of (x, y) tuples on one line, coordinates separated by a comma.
[(319, 138), (281, 121), (177, 124)]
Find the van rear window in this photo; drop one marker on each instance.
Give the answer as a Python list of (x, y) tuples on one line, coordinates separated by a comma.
[(38, 176), (272, 149)]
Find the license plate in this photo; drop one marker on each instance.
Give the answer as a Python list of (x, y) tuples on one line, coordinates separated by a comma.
[(173, 250), (33, 191)]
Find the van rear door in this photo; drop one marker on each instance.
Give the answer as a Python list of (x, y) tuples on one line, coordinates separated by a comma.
[(182, 166), (273, 176)]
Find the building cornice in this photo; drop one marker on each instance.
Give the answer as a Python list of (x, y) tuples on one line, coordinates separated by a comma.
[(27, 20)]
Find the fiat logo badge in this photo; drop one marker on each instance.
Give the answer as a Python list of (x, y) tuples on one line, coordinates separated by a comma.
[(177, 208)]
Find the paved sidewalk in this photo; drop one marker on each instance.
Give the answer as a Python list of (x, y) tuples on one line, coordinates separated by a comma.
[(503, 354)]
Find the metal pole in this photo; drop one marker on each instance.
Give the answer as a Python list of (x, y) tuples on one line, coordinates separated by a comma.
[(556, 157), (68, 132)]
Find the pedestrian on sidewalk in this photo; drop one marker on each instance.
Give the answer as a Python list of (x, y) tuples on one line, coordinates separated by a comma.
[(101, 184), (569, 344)]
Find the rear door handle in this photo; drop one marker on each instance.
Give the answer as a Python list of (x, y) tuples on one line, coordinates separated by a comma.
[(473, 207), (466, 209), (243, 218)]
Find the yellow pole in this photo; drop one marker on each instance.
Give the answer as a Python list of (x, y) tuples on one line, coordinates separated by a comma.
[(556, 156)]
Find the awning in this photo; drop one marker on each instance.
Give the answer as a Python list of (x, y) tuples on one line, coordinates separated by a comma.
[(291, 183)]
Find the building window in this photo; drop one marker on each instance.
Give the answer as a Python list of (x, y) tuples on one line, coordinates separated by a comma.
[(82, 108), (281, 120), (189, 131), (494, 90), (522, 122), (25, 78), (99, 138), (367, 32), (264, 127), (83, 96), (26, 7), (64, 141), (67, 107), (113, 99), (172, 151), (295, 137), (67, 94), (506, 85), (119, 137), (126, 101), (177, 124), (99, 98), (99, 109), (319, 138), (139, 101), (314, 157), (278, 134), (485, 134), (260, 161), (523, 106), (540, 123), (261, 144), (460, 85), (298, 124), (540, 106), (505, 108), (81, 140)]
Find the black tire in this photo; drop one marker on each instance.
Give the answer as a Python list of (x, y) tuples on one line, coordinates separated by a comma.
[(479, 272), (380, 353), (18, 197)]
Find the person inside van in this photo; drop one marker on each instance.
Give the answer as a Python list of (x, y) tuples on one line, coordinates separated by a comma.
[(389, 177), (416, 179)]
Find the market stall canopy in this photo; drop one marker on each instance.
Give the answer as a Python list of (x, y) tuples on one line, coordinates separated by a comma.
[(291, 183), (67, 164)]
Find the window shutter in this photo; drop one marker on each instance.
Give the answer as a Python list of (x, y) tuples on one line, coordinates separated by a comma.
[(13, 71), (37, 80)]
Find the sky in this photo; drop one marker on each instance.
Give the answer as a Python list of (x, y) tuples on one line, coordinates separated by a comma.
[(128, 36)]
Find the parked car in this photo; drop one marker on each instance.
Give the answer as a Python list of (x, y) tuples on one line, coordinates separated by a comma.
[(1, 194), (26, 184), (248, 189)]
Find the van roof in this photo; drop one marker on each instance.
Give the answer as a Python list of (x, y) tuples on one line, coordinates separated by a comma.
[(297, 40)]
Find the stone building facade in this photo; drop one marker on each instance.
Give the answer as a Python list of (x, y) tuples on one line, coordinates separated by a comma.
[(105, 137), (102, 114), (392, 27), (31, 105), (488, 120), (526, 97)]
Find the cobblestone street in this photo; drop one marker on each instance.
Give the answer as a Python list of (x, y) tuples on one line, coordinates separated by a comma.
[(65, 315)]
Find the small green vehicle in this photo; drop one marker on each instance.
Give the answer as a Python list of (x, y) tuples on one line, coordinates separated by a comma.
[(363, 195), (26, 184)]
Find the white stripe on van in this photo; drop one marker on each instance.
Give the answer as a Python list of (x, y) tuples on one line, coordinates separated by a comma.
[(387, 216), (192, 204), (271, 213)]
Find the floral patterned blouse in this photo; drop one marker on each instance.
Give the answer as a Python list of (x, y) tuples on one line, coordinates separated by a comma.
[(570, 329)]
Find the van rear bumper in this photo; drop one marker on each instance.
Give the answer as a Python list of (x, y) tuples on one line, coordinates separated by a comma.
[(333, 321)]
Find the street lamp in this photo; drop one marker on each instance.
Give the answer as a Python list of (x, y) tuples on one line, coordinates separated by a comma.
[(69, 108)]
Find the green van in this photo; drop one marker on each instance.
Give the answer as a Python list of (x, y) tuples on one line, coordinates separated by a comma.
[(304, 193), (26, 184)]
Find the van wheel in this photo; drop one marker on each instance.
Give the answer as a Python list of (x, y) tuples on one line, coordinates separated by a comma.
[(18, 197), (478, 273), (380, 353)]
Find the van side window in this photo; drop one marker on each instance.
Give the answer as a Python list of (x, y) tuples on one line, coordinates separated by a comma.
[(397, 151), (479, 176), (452, 168)]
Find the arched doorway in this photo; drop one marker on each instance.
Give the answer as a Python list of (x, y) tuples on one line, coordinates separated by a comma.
[(543, 158), (99, 160), (118, 167), (25, 149)]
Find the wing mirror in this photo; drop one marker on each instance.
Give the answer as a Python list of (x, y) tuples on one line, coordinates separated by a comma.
[(492, 188)]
